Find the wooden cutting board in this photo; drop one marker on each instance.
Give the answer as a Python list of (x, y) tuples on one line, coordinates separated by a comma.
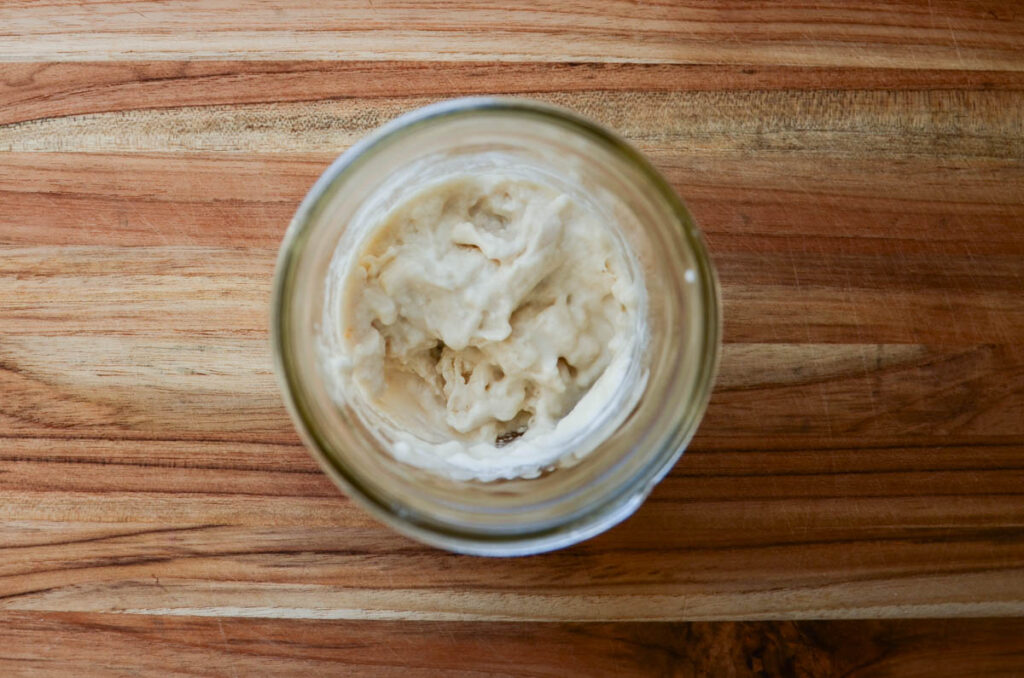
[(858, 170)]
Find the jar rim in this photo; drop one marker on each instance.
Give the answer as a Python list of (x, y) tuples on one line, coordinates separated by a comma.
[(598, 518)]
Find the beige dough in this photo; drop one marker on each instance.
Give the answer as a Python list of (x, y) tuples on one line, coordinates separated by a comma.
[(478, 314)]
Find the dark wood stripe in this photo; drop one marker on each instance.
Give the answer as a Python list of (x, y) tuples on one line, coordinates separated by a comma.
[(106, 645)]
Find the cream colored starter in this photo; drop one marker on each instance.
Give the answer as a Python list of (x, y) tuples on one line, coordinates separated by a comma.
[(484, 322)]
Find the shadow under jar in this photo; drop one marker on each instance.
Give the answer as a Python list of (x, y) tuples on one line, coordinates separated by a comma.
[(629, 452)]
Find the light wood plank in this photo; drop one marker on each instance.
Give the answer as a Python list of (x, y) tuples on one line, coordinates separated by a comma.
[(39, 90), (905, 34), (889, 125)]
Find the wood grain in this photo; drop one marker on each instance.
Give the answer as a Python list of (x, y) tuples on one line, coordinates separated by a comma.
[(861, 456), (857, 170), (182, 646), (986, 34)]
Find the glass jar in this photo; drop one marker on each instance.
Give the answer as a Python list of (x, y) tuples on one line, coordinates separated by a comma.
[(568, 504)]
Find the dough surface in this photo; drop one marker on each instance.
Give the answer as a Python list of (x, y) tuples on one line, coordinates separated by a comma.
[(478, 314)]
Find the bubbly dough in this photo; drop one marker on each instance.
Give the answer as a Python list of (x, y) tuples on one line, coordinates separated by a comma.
[(478, 314)]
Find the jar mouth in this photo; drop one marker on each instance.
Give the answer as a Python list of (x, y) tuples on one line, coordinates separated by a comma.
[(592, 519)]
